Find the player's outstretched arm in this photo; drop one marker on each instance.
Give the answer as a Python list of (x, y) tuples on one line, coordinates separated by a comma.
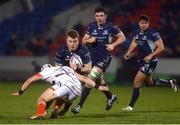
[(90, 83), (26, 84)]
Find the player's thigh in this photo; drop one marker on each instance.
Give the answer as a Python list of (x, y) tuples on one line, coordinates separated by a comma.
[(72, 97), (48, 95), (61, 91), (68, 93), (139, 78)]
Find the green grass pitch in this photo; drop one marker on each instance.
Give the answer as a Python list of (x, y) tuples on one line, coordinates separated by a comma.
[(155, 105)]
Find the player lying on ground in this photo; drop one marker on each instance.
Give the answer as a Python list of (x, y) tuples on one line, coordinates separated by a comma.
[(149, 45), (65, 85)]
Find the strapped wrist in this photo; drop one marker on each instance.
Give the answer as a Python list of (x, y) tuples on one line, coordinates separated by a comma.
[(20, 92)]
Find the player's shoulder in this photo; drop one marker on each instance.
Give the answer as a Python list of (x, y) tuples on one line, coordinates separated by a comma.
[(83, 48), (67, 68), (152, 32), (136, 31), (92, 24), (109, 24), (112, 27)]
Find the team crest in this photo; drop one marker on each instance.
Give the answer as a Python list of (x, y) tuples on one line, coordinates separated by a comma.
[(105, 32)]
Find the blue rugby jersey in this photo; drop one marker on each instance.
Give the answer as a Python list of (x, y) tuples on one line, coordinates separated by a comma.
[(63, 55), (103, 36), (146, 42)]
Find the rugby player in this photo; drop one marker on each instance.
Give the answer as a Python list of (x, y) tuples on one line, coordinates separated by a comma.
[(65, 85), (99, 36), (149, 45)]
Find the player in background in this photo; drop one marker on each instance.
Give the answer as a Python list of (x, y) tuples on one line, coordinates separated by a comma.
[(65, 85), (149, 45), (99, 35), (63, 55)]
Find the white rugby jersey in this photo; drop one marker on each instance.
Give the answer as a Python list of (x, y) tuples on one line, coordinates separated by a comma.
[(60, 75)]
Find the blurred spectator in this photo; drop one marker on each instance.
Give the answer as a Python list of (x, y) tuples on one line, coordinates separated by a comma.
[(123, 12), (39, 46), (80, 28), (12, 45), (169, 26)]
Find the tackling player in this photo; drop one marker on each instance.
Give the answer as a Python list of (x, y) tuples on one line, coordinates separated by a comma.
[(149, 45), (100, 35), (65, 85)]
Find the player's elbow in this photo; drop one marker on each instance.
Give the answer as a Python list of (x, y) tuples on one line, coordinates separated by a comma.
[(84, 41), (123, 38), (162, 48)]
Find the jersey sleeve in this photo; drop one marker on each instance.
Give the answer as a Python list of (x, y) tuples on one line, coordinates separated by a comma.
[(116, 30), (155, 36), (86, 56), (59, 56), (43, 75), (135, 35), (88, 31)]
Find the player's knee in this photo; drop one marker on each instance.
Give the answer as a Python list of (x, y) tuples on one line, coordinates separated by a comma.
[(94, 74), (136, 84), (149, 82), (41, 99)]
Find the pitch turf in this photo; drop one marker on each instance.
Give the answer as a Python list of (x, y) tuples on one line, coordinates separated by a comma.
[(156, 105)]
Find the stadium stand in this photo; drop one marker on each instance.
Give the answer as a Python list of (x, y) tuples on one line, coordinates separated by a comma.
[(29, 25)]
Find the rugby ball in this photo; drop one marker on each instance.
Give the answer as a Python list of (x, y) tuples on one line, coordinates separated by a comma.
[(76, 60)]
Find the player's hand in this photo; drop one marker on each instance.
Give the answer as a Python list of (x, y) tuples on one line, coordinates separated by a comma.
[(148, 58), (92, 40), (103, 88), (15, 94), (126, 56), (73, 65), (109, 47)]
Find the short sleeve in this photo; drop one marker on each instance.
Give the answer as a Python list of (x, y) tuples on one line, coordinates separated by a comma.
[(155, 36), (88, 31), (85, 55), (135, 35), (87, 58), (116, 30), (44, 74)]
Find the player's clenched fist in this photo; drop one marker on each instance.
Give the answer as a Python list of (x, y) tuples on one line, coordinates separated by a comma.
[(92, 40)]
